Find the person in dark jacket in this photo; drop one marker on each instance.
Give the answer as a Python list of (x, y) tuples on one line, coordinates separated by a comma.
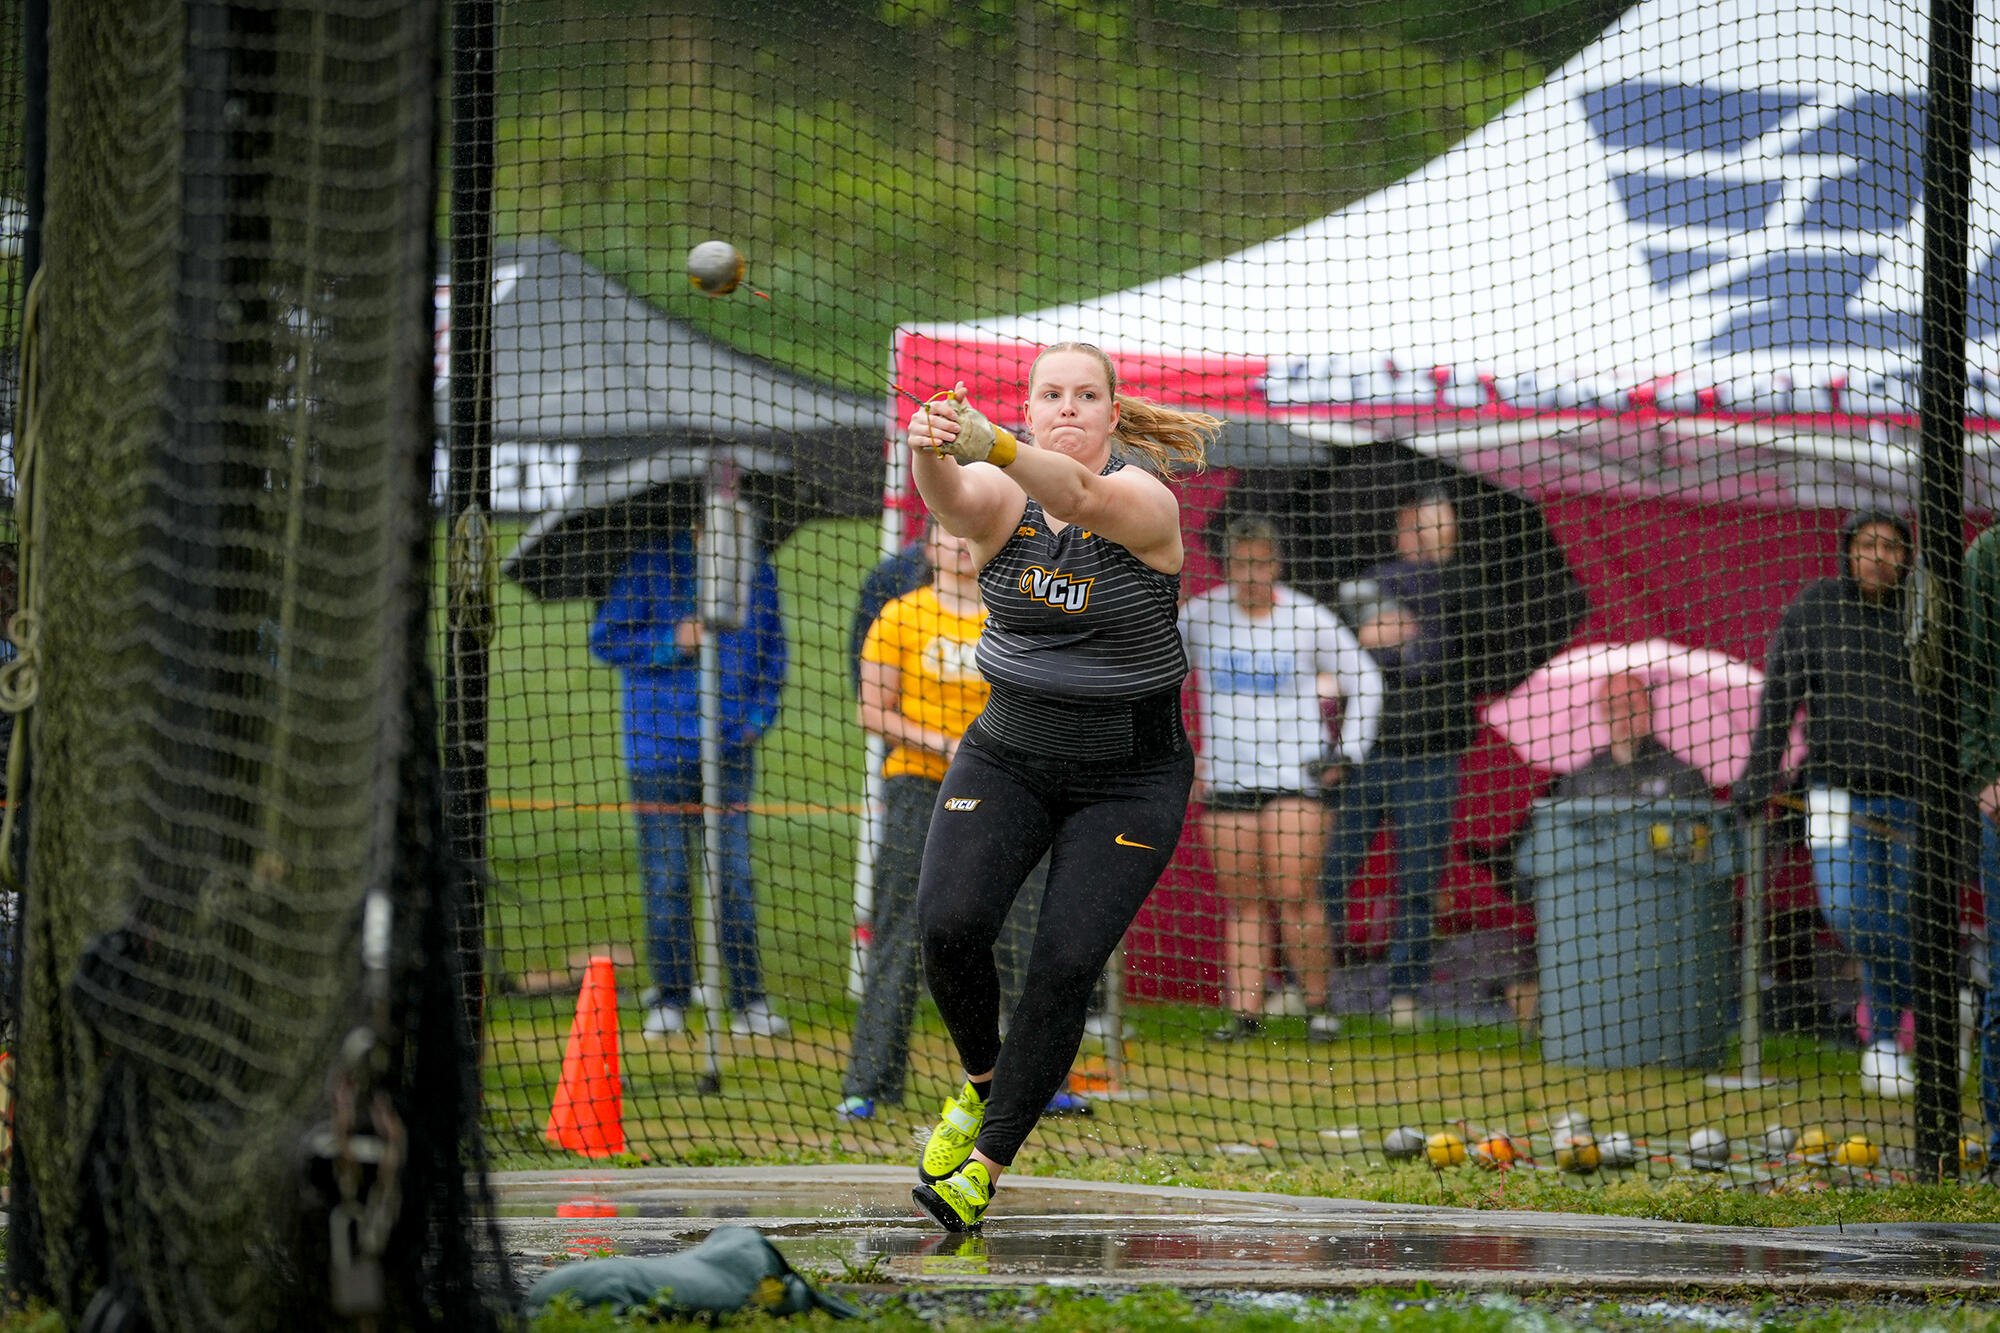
[(1414, 632), (1841, 652), (1979, 723), (648, 624)]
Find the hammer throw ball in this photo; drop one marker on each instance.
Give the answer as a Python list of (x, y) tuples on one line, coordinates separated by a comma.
[(1577, 1152), (1445, 1148), (1708, 1150), (1616, 1149), (1857, 1150), (715, 267), (1403, 1143), (1779, 1139)]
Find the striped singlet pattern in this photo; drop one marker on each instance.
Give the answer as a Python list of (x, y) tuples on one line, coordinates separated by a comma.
[(1078, 623)]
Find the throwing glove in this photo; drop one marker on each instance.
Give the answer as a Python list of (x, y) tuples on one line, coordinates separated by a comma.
[(979, 440)]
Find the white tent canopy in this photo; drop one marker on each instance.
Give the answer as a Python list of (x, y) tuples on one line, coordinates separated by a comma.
[(1690, 260)]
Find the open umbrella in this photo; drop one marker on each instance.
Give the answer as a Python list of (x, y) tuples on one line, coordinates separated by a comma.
[(577, 546), (1337, 506), (1704, 706)]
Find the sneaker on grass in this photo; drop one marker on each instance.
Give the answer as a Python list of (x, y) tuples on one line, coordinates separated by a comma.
[(758, 1019), (1886, 1071), (1067, 1103), (663, 1020), (855, 1108), (1240, 1027), (959, 1201), (1322, 1026)]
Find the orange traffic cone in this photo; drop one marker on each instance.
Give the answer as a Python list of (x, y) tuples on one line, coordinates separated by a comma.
[(589, 1114)]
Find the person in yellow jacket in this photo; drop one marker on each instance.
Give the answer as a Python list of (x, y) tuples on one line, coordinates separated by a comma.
[(919, 689)]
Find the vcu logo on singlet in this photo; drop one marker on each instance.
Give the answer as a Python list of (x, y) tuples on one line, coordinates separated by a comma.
[(1057, 589)]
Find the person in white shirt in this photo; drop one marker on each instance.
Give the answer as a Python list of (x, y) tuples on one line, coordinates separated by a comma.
[(1266, 660)]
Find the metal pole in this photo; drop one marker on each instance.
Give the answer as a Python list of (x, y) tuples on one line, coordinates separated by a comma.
[(1114, 1019), (725, 563), (1751, 1014), (1947, 205), (469, 482), (1750, 968), (869, 827), (711, 853)]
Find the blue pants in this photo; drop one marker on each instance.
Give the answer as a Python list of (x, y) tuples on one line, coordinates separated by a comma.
[(1989, 1011), (669, 846), (1864, 889), (1417, 791)]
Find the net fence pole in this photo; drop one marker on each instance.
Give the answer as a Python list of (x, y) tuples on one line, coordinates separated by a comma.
[(1947, 206), (1114, 1017), (470, 624), (1750, 1016), (26, 1268), (726, 558)]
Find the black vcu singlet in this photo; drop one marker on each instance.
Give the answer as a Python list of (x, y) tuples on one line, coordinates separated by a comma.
[(1080, 646)]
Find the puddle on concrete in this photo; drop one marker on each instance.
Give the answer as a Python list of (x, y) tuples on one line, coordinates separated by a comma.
[(1053, 1231), (1037, 1247)]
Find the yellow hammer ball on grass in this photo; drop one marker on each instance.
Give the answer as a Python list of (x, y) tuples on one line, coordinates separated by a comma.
[(1813, 1142), (1444, 1148), (1577, 1152), (1857, 1151), (1971, 1152), (715, 267)]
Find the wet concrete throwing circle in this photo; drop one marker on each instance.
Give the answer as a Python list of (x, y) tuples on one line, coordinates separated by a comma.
[(859, 1219)]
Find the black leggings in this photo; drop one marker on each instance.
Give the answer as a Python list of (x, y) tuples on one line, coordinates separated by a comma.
[(1110, 831)]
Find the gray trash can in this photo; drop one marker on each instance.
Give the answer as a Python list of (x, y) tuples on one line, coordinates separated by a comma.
[(1633, 909)]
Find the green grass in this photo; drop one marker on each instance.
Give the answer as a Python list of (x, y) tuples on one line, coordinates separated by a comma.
[(1384, 1310), (863, 199)]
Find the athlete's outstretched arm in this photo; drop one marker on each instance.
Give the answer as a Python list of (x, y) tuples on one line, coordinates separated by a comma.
[(980, 502)]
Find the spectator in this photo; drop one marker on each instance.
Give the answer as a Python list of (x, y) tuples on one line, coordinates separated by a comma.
[(1634, 765), (920, 689), (648, 625), (1840, 651), (1411, 773), (1980, 722), (1264, 657), (896, 576)]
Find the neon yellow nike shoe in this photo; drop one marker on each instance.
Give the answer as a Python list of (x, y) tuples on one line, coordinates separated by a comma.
[(950, 1144), (958, 1202)]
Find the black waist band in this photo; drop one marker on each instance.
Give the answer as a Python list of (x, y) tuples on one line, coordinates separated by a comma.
[(1090, 731)]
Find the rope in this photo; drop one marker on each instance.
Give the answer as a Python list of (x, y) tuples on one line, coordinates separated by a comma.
[(20, 679), (472, 565)]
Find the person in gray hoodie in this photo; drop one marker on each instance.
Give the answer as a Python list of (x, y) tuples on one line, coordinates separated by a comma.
[(1841, 651)]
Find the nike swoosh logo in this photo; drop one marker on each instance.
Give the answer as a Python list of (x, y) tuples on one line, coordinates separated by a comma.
[(1124, 841)]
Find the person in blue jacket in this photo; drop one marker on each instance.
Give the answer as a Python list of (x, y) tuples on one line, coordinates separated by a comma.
[(649, 625)]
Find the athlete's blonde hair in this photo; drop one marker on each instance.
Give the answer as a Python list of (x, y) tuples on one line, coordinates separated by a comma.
[(1172, 440)]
